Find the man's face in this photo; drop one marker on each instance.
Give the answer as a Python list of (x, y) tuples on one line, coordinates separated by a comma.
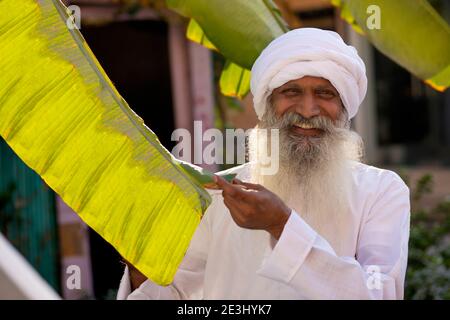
[(309, 97)]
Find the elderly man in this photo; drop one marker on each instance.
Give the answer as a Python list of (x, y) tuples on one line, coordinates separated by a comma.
[(324, 226)]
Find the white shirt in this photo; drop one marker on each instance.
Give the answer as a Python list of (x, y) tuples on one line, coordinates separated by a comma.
[(225, 261)]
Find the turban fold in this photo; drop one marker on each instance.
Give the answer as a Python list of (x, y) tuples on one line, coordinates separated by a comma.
[(309, 52)]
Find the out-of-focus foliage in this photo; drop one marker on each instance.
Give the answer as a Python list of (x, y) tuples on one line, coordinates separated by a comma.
[(238, 29), (428, 273)]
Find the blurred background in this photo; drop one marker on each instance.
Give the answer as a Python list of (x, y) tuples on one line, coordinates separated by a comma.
[(170, 82)]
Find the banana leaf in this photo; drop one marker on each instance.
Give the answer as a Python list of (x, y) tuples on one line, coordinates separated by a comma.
[(195, 33), (235, 80), (239, 29), (411, 33), (63, 117)]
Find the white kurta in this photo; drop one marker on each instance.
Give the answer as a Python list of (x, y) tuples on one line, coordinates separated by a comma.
[(225, 261)]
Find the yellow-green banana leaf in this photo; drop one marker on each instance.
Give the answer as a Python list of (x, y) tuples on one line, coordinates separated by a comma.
[(235, 80), (60, 113), (195, 33), (238, 29)]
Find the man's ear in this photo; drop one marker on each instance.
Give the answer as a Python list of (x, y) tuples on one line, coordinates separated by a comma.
[(344, 112), (270, 100), (270, 107), (344, 117)]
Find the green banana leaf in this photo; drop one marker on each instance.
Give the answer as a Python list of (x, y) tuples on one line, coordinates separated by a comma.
[(411, 33), (195, 33), (238, 29), (235, 80), (61, 114)]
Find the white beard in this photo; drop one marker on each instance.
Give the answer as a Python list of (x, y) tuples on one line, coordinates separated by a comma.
[(318, 185)]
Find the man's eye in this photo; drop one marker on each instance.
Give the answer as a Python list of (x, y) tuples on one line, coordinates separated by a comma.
[(326, 94), (290, 91)]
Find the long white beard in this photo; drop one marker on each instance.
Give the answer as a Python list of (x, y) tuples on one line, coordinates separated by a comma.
[(313, 178)]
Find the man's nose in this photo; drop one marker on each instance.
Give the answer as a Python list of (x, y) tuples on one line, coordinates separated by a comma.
[(308, 107)]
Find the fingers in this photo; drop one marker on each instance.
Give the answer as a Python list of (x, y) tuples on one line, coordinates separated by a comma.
[(243, 206), (213, 186), (228, 188), (235, 210), (232, 205), (223, 184), (238, 190), (248, 185)]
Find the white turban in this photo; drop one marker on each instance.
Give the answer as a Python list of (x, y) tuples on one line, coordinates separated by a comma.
[(309, 52)]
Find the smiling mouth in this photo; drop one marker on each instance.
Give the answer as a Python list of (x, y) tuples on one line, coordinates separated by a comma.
[(307, 130)]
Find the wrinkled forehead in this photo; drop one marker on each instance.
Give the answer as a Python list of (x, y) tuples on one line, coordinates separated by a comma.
[(308, 81)]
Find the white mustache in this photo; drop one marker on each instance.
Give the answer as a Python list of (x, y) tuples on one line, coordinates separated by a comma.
[(286, 121), (318, 122)]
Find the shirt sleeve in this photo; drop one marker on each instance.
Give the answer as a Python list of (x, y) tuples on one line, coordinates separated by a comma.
[(188, 281), (305, 261)]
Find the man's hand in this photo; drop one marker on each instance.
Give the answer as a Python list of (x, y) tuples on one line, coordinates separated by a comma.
[(254, 207)]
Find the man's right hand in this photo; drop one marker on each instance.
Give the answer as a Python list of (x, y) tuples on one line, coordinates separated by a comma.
[(136, 277)]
